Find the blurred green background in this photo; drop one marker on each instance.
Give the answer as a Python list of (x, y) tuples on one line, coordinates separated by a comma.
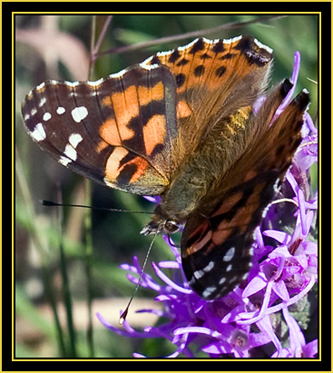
[(57, 47)]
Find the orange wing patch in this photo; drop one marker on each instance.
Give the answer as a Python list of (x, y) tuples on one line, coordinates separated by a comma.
[(154, 132), (183, 110), (125, 105), (149, 94), (212, 62), (136, 133), (114, 167)]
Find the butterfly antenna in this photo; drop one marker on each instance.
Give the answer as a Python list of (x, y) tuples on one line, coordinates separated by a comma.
[(51, 203), (124, 314)]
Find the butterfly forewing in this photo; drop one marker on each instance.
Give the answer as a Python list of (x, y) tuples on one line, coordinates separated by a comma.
[(214, 78), (117, 131)]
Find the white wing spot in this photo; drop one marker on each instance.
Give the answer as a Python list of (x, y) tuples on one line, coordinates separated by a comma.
[(208, 291), (198, 274), (79, 113), (146, 61), (60, 110), (42, 102), (64, 160), (149, 67), (209, 41), (233, 279), (70, 152), (222, 281), (96, 83), (47, 116), (70, 149), (72, 84), (188, 45), (209, 266), (244, 277), (229, 254), (40, 86), (229, 268), (232, 40), (75, 139), (263, 46), (38, 134), (119, 74)]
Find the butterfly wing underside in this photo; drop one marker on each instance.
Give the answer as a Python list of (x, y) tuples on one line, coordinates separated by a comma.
[(217, 242), (117, 131)]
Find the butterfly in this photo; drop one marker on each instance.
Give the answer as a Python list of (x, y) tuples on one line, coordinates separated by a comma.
[(182, 125)]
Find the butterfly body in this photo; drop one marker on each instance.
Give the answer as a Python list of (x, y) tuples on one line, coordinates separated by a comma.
[(182, 125)]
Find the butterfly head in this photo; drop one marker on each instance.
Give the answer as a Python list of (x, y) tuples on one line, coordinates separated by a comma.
[(165, 226)]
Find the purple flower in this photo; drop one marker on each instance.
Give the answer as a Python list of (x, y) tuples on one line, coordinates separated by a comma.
[(248, 322)]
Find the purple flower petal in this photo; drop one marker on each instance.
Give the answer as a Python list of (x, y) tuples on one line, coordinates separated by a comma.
[(169, 282), (197, 329), (139, 356), (297, 340), (217, 348), (311, 349), (281, 290), (297, 65), (168, 264), (310, 123), (256, 284), (301, 201), (294, 77), (153, 199), (266, 328)]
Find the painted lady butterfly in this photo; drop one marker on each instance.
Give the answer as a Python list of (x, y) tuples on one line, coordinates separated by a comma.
[(182, 125)]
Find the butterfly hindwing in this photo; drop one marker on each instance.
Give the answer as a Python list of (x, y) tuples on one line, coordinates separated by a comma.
[(216, 249), (217, 240)]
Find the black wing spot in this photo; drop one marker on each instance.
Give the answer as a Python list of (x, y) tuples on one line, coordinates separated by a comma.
[(220, 71), (199, 71)]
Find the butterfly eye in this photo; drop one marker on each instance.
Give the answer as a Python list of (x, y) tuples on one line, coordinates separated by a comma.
[(170, 226)]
